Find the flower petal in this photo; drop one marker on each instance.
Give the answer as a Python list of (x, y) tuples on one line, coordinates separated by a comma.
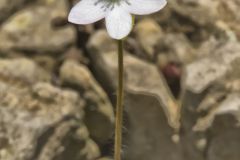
[(86, 12), (118, 23), (142, 7)]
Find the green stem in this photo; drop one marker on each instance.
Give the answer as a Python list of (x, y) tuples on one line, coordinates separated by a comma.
[(119, 107)]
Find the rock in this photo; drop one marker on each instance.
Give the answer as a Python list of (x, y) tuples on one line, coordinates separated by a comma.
[(206, 18), (8, 7), (222, 128), (47, 62), (228, 106), (143, 142), (24, 32), (148, 32), (152, 85), (176, 48), (203, 73), (105, 158), (141, 93), (212, 112), (38, 137), (43, 122), (99, 111), (22, 69), (101, 43), (224, 132), (38, 120), (55, 107), (40, 95), (19, 131), (194, 10)]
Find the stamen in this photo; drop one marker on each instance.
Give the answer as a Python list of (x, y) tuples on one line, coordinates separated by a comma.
[(110, 4)]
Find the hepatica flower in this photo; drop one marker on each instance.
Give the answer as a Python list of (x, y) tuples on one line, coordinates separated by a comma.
[(117, 13)]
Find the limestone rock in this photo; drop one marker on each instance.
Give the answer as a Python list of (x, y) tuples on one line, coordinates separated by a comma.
[(194, 10), (176, 48), (99, 111), (144, 143), (38, 120), (24, 32), (25, 136), (22, 69), (148, 32), (212, 113), (105, 158), (143, 95), (8, 7), (201, 74)]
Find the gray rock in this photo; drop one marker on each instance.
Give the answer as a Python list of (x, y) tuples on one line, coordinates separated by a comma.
[(24, 32), (45, 123), (201, 74), (8, 7), (212, 112), (105, 158), (22, 69), (224, 137), (148, 32), (144, 142), (38, 120), (222, 128), (26, 136), (143, 95), (99, 111), (176, 48), (194, 10)]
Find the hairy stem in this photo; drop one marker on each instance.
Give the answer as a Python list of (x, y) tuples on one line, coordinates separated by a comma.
[(119, 107)]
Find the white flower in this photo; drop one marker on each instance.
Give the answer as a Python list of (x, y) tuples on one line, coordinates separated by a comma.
[(117, 13)]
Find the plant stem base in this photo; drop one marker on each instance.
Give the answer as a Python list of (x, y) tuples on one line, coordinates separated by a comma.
[(119, 106)]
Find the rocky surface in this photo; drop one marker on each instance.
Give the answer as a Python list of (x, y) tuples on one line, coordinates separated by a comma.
[(39, 120), (32, 29), (8, 7), (213, 111), (99, 113), (58, 84)]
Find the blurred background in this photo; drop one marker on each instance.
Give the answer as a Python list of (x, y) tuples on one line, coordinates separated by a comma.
[(58, 83)]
